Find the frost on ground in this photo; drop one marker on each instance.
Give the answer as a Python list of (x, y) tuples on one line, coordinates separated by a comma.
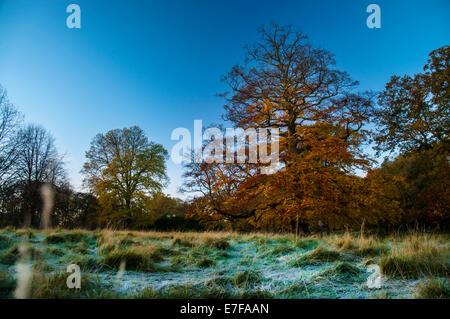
[(221, 265)]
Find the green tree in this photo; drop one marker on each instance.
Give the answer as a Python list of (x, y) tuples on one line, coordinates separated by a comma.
[(124, 169), (414, 120)]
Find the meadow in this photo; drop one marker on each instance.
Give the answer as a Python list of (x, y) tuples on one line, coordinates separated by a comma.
[(129, 264)]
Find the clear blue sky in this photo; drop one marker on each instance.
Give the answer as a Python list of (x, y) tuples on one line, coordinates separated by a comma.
[(158, 64)]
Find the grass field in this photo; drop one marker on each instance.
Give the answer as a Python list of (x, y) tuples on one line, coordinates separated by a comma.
[(122, 264)]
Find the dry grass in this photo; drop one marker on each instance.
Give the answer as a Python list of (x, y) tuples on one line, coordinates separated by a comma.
[(358, 245), (55, 287), (434, 289), (416, 256), (318, 255)]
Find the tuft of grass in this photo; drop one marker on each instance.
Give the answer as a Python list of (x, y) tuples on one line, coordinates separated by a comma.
[(56, 251), (184, 292), (368, 261), (66, 237), (10, 256), (361, 246), (106, 249), (5, 242), (322, 254), (342, 271), (318, 255), (54, 286), (7, 285), (247, 260), (24, 233), (219, 243), (42, 266), (182, 242), (297, 290), (13, 253), (137, 258), (205, 262), (247, 277), (8, 229), (374, 249), (82, 248), (345, 242), (382, 295), (434, 289), (279, 250), (306, 243), (126, 242), (261, 241), (220, 281), (85, 262), (416, 259), (180, 260)]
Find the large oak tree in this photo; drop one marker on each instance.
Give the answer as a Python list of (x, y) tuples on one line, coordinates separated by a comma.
[(123, 169)]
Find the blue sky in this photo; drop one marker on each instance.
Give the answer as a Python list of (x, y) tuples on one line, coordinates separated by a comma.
[(158, 64)]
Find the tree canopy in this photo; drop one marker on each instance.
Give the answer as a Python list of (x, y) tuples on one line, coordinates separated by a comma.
[(123, 169)]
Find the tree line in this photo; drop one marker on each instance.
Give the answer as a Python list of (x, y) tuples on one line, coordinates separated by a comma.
[(327, 127), (327, 180), (124, 175)]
